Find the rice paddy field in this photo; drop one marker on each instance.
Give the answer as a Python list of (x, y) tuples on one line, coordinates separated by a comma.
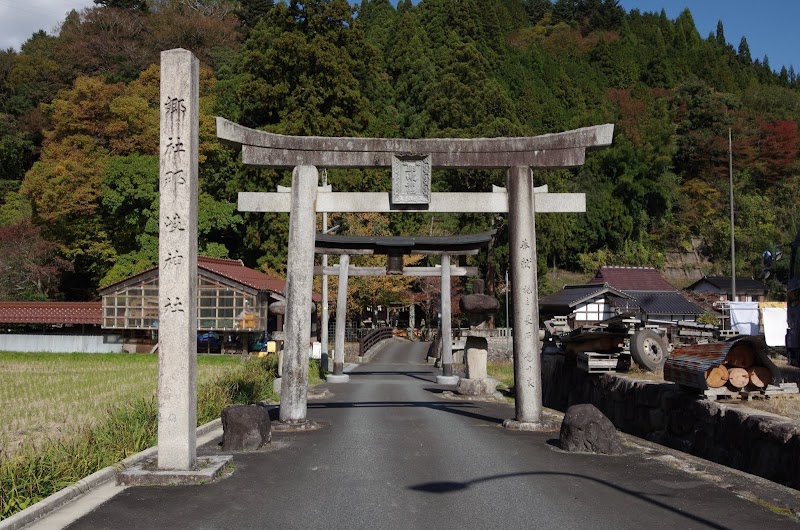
[(46, 395)]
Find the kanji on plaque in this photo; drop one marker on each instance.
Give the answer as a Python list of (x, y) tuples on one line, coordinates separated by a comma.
[(411, 179)]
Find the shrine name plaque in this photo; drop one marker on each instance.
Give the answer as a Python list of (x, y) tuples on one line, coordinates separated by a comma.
[(411, 179)]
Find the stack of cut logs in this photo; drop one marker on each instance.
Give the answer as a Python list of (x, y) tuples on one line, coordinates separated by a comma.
[(739, 370)]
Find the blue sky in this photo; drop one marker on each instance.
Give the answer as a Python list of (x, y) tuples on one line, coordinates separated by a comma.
[(771, 26)]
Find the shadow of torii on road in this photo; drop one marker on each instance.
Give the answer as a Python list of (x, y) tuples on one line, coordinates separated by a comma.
[(443, 487)]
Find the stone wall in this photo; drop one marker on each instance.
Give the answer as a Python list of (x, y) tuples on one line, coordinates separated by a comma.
[(730, 434)]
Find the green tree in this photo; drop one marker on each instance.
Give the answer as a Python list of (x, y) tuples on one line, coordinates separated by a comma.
[(306, 70)]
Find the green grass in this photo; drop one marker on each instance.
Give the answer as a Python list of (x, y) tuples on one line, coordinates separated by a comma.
[(502, 371), (36, 471), (50, 394)]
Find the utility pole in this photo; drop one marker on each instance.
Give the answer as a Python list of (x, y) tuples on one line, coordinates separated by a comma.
[(733, 238)]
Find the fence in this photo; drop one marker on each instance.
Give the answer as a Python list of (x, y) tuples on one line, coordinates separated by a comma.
[(372, 338)]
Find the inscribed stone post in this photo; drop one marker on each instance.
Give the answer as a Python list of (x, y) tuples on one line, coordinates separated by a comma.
[(177, 327), (522, 235), (300, 267)]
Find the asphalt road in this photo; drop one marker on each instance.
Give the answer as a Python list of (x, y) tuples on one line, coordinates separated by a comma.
[(397, 454)]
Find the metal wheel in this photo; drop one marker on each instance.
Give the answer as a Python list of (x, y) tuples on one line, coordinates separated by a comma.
[(648, 349)]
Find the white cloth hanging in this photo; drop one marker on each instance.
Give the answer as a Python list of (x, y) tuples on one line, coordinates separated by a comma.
[(775, 326), (744, 317)]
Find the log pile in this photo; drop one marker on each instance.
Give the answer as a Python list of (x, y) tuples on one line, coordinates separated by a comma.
[(739, 370)]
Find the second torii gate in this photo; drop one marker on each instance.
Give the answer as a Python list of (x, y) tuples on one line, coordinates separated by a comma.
[(395, 247), (411, 162)]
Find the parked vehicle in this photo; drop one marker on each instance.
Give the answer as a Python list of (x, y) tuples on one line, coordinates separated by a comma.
[(208, 342)]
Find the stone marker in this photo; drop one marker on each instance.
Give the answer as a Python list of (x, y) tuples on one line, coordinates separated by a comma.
[(585, 430), (300, 267), (477, 353), (245, 427), (177, 255), (477, 383)]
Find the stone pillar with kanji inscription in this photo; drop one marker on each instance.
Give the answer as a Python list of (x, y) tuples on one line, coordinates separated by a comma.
[(299, 279), (177, 269), (522, 243)]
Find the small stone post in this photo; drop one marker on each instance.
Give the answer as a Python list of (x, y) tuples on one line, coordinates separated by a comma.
[(338, 375), (300, 266), (527, 365), (177, 257), (447, 377)]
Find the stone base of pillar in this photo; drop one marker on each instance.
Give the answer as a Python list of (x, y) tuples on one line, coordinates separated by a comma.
[(534, 426), (207, 470), (331, 378), (447, 379), (431, 360), (276, 385), (477, 387), (298, 426)]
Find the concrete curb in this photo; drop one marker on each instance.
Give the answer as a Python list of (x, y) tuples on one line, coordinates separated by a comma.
[(83, 486)]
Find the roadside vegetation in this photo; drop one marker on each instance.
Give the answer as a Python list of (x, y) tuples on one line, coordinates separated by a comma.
[(45, 395), (107, 426)]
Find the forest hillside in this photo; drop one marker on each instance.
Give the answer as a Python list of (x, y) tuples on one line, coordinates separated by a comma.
[(79, 129)]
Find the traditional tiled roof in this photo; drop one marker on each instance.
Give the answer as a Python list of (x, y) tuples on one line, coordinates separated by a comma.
[(66, 313), (723, 284), (572, 295), (234, 269), (632, 279), (665, 303)]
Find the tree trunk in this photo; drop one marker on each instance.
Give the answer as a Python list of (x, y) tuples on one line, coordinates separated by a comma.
[(717, 377), (760, 376), (738, 377)]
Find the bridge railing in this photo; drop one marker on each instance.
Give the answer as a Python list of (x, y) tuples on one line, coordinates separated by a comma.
[(372, 338)]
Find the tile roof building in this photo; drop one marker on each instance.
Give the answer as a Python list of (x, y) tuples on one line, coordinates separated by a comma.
[(231, 299), (747, 289), (617, 290), (632, 279), (51, 313)]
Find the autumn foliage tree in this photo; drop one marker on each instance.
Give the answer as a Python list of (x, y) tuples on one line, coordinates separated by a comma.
[(30, 267)]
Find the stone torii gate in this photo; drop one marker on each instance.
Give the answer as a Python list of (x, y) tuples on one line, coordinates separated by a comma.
[(411, 162), (395, 247)]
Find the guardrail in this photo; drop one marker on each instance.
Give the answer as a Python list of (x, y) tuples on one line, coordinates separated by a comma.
[(372, 338)]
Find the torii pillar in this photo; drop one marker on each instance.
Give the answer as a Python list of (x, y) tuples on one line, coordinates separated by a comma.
[(524, 289)]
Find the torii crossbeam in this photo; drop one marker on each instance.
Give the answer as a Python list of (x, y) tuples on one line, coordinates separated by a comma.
[(411, 162)]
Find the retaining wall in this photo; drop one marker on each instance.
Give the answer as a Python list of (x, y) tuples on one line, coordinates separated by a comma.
[(730, 434)]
